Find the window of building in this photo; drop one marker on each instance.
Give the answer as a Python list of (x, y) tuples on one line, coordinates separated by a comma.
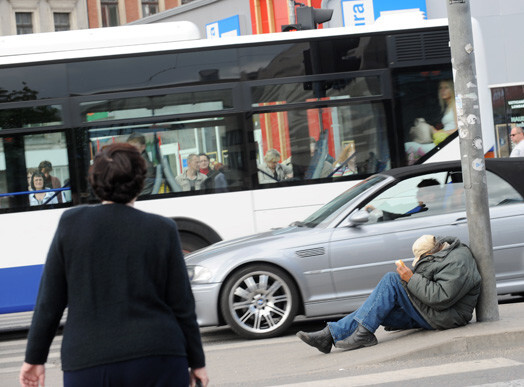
[(149, 7), (109, 13), (61, 21), (24, 23)]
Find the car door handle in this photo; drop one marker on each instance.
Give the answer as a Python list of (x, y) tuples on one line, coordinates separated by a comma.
[(460, 221)]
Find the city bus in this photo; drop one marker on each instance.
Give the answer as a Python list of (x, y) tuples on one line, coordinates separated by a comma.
[(334, 105)]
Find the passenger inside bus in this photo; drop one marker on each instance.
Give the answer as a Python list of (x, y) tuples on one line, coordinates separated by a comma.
[(446, 97), (191, 179), (271, 171), (431, 125), (204, 164), (216, 179), (37, 184), (50, 181)]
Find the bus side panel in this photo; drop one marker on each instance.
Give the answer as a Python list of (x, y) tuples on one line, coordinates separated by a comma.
[(19, 287)]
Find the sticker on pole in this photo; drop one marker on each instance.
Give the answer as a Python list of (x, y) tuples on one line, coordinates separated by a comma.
[(472, 119), (478, 164), (477, 143)]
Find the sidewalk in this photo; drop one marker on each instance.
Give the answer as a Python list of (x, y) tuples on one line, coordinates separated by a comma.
[(507, 332), (415, 344)]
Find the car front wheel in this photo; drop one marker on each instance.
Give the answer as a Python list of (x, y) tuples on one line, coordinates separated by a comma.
[(259, 301)]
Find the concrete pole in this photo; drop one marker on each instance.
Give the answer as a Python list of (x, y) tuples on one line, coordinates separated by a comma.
[(472, 154)]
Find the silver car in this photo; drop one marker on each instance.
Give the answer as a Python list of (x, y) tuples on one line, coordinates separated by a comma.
[(330, 262)]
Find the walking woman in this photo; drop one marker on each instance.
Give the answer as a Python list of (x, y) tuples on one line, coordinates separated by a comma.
[(121, 273)]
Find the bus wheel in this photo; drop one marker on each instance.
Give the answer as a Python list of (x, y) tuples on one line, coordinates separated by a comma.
[(192, 242), (259, 301)]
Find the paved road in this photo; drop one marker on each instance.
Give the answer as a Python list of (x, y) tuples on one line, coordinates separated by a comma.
[(287, 361)]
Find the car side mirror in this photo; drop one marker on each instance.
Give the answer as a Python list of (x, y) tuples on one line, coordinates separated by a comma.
[(358, 218)]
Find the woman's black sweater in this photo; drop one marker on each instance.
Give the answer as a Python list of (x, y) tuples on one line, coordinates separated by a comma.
[(121, 274)]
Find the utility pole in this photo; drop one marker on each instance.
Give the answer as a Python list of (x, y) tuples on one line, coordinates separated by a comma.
[(472, 154), (291, 5)]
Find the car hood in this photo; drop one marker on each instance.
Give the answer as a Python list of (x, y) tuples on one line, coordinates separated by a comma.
[(264, 245)]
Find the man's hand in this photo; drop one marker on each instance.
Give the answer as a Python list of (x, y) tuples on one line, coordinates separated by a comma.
[(404, 272)]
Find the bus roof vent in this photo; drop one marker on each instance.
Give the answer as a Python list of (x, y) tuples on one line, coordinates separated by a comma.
[(415, 49)]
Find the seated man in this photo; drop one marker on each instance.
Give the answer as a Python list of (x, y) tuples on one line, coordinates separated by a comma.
[(441, 293)]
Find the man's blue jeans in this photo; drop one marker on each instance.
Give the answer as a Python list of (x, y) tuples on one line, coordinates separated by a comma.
[(387, 305)]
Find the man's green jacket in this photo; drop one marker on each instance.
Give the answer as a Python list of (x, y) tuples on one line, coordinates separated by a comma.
[(445, 286)]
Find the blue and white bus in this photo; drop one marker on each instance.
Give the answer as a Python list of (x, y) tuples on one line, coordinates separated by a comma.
[(320, 98)]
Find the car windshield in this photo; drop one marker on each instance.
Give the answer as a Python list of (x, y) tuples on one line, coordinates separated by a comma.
[(333, 206)]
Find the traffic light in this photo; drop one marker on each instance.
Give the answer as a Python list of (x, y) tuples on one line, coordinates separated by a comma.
[(291, 27), (308, 18)]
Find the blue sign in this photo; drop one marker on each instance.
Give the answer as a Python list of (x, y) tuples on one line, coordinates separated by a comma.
[(225, 27), (364, 12)]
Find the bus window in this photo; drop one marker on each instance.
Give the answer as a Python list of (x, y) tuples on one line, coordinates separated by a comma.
[(172, 153), (34, 170), (325, 90), (30, 116), (320, 143), (427, 114), (156, 105)]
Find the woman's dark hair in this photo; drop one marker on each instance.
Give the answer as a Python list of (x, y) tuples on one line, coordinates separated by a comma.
[(118, 173), (40, 174)]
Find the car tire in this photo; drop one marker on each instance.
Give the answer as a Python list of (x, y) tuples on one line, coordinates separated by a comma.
[(259, 301)]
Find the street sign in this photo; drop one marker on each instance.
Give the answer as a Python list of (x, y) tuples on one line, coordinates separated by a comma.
[(364, 12), (225, 27)]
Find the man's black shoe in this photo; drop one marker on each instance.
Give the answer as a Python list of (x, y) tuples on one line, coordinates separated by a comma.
[(360, 338), (321, 340)]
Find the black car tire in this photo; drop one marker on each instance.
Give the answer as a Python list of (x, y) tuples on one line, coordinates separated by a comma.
[(259, 301)]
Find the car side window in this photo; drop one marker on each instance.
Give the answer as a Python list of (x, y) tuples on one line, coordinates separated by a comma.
[(500, 192), (414, 197), (434, 194)]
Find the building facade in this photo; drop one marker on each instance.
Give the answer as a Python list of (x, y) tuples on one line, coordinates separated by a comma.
[(31, 16), (111, 13)]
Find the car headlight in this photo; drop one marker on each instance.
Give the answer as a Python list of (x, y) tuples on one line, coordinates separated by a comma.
[(198, 273)]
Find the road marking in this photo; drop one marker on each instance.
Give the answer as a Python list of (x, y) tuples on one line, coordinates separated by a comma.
[(511, 383), (412, 373)]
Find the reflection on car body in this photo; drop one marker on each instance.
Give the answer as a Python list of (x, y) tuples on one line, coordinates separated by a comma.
[(330, 262)]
